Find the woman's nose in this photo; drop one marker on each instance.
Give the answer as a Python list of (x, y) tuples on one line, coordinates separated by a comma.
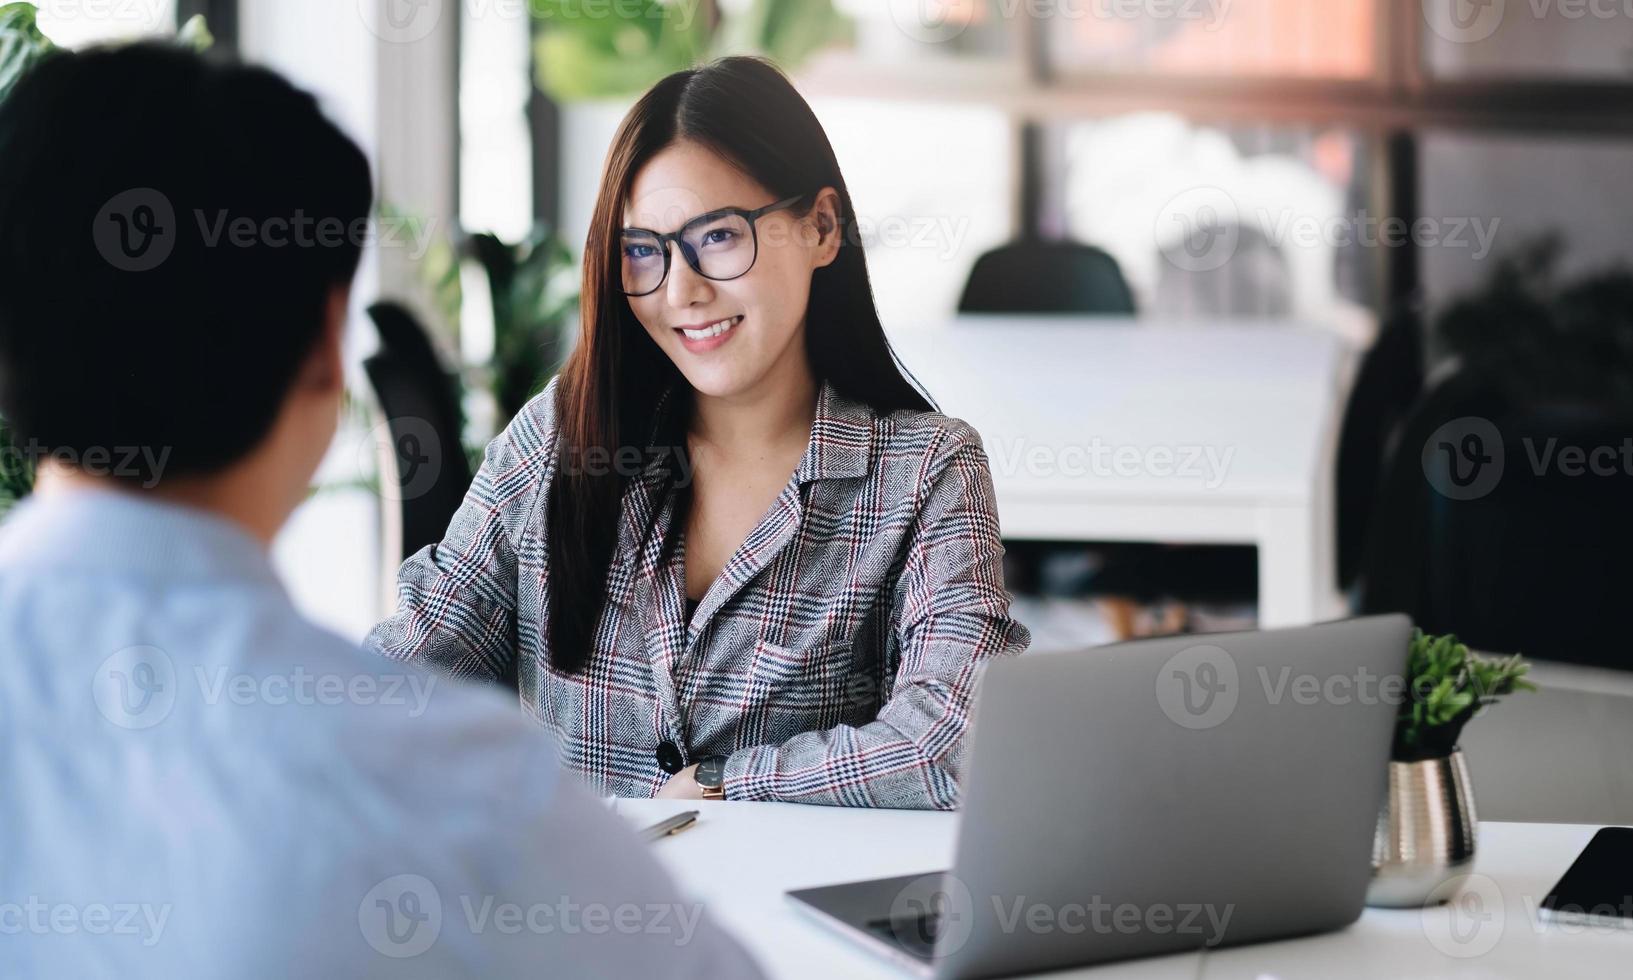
[(686, 287)]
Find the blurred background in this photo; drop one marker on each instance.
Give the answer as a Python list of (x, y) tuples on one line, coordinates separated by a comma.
[(1361, 265)]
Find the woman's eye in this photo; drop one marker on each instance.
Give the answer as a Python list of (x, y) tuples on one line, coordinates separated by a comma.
[(718, 236), (640, 251)]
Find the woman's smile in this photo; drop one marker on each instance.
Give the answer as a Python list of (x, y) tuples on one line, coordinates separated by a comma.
[(701, 337)]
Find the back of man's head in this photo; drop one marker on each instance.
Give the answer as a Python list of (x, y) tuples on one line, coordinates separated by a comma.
[(171, 232)]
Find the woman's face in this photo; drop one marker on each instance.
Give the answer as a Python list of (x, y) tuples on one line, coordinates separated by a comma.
[(763, 310)]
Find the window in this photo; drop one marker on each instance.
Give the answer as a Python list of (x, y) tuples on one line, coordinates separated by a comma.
[(1289, 205), (1577, 40), (1512, 190), (1331, 39)]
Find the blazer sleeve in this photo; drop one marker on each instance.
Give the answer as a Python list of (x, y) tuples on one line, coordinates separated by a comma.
[(456, 599), (952, 618)]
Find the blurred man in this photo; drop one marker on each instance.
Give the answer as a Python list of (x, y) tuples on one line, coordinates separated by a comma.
[(193, 780)]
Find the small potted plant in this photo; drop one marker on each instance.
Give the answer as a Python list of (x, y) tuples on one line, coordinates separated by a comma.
[(1426, 832)]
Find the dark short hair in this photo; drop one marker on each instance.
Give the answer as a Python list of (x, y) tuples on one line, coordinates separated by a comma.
[(170, 230)]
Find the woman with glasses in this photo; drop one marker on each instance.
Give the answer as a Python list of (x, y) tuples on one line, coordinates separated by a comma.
[(730, 552)]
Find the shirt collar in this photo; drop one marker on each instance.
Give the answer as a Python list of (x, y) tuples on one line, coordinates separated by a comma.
[(841, 438), (114, 530)]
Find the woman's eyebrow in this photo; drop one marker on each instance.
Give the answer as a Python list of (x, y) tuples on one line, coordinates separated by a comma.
[(717, 212)]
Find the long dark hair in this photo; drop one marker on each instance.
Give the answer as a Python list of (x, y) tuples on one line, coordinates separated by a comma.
[(748, 113)]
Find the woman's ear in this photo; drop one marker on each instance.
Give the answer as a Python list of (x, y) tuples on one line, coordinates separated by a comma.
[(825, 214)]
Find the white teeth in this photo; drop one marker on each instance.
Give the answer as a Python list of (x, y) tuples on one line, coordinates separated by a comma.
[(713, 330)]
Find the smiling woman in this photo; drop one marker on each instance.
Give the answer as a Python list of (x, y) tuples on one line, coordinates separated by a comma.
[(731, 551)]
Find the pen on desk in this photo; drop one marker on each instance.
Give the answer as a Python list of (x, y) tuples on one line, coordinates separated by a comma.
[(673, 825)]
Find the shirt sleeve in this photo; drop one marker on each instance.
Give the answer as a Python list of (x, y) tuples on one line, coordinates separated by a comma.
[(952, 618), (456, 599)]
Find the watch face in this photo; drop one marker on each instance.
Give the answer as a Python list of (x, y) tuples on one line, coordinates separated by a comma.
[(711, 772)]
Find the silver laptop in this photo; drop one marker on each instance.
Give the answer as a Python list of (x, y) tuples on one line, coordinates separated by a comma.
[(1153, 797)]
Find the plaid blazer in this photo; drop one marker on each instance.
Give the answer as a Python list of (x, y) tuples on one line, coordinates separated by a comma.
[(834, 660)]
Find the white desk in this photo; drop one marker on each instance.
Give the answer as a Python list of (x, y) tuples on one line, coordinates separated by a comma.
[(1123, 430), (741, 857)]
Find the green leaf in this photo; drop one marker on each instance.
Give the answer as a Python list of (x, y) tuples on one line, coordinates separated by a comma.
[(1448, 685), (22, 46), (196, 34)]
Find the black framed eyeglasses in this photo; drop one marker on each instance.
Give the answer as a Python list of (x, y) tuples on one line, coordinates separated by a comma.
[(719, 245)]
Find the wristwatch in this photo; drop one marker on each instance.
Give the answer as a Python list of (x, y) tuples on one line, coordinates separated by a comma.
[(711, 776)]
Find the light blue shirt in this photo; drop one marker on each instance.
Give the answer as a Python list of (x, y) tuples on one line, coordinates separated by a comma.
[(194, 781)]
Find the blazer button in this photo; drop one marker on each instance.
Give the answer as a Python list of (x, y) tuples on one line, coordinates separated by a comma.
[(669, 758)]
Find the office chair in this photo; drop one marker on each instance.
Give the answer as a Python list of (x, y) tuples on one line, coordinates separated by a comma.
[(1033, 276), (1519, 553), (424, 472), (1388, 384)]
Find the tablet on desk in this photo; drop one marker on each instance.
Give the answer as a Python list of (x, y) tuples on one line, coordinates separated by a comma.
[(1598, 888)]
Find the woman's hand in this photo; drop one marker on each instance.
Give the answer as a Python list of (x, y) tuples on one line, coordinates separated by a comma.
[(682, 786)]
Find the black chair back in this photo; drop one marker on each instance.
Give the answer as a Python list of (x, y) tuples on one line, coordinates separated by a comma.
[(1388, 384), (1047, 277), (420, 399)]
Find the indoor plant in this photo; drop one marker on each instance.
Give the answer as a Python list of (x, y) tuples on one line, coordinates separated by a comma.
[(1426, 831), (580, 56)]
